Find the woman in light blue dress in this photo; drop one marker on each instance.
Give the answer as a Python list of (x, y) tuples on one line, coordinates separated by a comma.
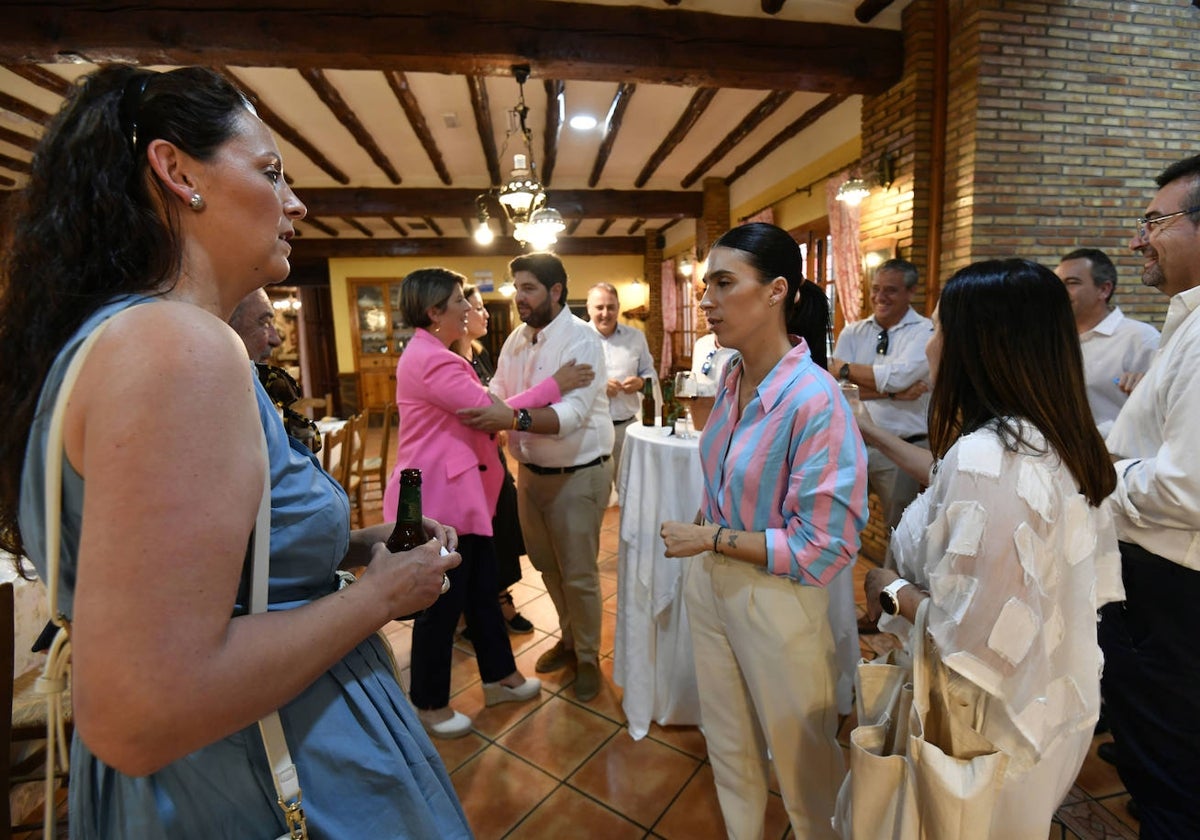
[(157, 200)]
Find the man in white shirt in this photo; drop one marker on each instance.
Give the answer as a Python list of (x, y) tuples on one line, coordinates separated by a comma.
[(628, 359), (884, 355), (1116, 350), (1151, 681), (564, 452)]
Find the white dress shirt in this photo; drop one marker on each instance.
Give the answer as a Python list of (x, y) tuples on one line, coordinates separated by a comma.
[(903, 365), (1115, 346), (1157, 500), (707, 353), (585, 430), (626, 354)]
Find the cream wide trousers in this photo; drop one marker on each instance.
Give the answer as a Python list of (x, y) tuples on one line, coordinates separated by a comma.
[(766, 672)]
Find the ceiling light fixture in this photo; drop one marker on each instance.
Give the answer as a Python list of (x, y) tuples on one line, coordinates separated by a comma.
[(583, 122), (856, 189), (522, 197)]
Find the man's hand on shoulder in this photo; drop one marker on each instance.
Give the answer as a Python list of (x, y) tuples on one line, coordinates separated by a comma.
[(488, 418)]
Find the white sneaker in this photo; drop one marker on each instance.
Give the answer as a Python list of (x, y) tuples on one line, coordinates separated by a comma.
[(494, 693), (455, 726)]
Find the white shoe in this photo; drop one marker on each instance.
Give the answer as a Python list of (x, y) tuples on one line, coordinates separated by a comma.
[(455, 726), (494, 693)]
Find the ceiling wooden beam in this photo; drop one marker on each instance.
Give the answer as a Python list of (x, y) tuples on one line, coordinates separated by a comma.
[(771, 7), (555, 91), (635, 227), (15, 164), (586, 41), (432, 225), (483, 124), (358, 226), (319, 225), (416, 118), (451, 203), (5, 181), (699, 103), (605, 225), (795, 127), (616, 112), (41, 77), (396, 226), (286, 130), (868, 9), (769, 105), (345, 115), (23, 109), (16, 138), (463, 246)]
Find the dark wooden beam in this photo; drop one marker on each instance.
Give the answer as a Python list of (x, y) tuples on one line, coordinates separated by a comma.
[(286, 130), (345, 115), (15, 164), (772, 7), (866, 11), (668, 225), (416, 118), (604, 226), (636, 226), (16, 138), (483, 124), (573, 226), (5, 181), (23, 109), (586, 41), (319, 225), (396, 226), (433, 226), (449, 203), (795, 127), (769, 105), (41, 77), (699, 103), (555, 91), (358, 226), (616, 113), (460, 247)]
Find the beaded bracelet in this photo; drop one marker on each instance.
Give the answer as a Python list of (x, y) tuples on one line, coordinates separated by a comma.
[(716, 537)]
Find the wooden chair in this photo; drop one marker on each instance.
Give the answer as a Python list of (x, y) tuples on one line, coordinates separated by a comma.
[(374, 468), (352, 481), (314, 408), (26, 723)]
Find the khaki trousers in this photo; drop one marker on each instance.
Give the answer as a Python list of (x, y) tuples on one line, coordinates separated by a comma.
[(560, 519), (766, 673)]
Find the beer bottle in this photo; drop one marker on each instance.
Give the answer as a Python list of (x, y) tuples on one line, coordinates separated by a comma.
[(649, 407), (409, 531)]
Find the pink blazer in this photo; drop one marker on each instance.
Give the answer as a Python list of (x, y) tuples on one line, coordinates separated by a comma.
[(460, 468)]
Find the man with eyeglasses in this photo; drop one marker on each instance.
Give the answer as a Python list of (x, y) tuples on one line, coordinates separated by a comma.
[(884, 355), (1151, 681), (1116, 350)]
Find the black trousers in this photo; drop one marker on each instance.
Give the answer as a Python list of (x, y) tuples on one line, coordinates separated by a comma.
[(472, 594), (1151, 690)]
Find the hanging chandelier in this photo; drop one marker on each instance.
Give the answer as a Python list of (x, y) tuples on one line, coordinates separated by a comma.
[(522, 196)]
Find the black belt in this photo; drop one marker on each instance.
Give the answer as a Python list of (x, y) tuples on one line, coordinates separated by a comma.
[(626, 420), (534, 468), (915, 438)]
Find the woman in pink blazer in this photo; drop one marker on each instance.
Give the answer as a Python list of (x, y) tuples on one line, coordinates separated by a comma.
[(461, 477)]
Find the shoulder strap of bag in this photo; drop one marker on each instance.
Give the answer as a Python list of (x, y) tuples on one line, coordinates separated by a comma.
[(53, 680)]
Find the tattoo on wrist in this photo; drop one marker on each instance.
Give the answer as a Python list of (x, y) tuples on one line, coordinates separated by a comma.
[(731, 540)]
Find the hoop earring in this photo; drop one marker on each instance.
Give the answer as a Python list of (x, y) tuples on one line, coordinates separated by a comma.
[(196, 202)]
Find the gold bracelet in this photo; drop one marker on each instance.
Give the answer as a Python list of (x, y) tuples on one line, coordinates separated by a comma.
[(516, 417)]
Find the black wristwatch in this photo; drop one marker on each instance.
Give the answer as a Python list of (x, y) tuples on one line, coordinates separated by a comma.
[(889, 596), (524, 420), (844, 372)]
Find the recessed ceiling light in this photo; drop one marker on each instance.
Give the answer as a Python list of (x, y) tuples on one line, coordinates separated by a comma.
[(582, 122)]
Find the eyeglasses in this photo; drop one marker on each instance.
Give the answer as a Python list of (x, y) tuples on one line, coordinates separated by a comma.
[(1145, 225), (707, 367), (881, 343)]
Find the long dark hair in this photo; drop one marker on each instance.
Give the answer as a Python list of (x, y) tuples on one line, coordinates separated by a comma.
[(773, 253), (93, 225), (1010, 351)]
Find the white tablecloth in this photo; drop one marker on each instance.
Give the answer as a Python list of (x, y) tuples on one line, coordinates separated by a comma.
[(660, 480)]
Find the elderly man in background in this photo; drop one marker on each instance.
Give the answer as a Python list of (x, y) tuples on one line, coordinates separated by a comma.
[(254, 320), (1151, 681), (884, 355), (1116, 350), (628, 359)]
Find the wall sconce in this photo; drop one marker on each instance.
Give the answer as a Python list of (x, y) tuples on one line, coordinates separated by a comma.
[(507, 288), (856, 189)]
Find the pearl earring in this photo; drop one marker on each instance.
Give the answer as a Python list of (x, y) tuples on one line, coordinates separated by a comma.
[(196, 202)]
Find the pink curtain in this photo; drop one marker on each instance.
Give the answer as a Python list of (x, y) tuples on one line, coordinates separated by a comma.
[(670, 315), (847, 255)]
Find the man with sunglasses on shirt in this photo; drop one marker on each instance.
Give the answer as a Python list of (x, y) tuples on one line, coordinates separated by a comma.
[(884, 355)]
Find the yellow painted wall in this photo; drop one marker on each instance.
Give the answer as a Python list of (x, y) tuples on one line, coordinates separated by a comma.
[(582, 273)]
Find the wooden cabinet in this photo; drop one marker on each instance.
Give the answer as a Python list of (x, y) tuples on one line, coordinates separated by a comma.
[(378, 333)]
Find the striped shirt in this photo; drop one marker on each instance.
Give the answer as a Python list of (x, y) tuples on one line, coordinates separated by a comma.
[(793, 465)]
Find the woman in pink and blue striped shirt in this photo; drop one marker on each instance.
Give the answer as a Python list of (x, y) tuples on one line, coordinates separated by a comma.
[(785, 497)]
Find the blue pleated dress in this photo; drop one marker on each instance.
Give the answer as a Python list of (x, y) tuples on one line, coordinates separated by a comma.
[(366, 766)]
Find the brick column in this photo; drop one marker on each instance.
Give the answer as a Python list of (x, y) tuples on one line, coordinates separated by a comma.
[(652, 272), (715, 220)]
